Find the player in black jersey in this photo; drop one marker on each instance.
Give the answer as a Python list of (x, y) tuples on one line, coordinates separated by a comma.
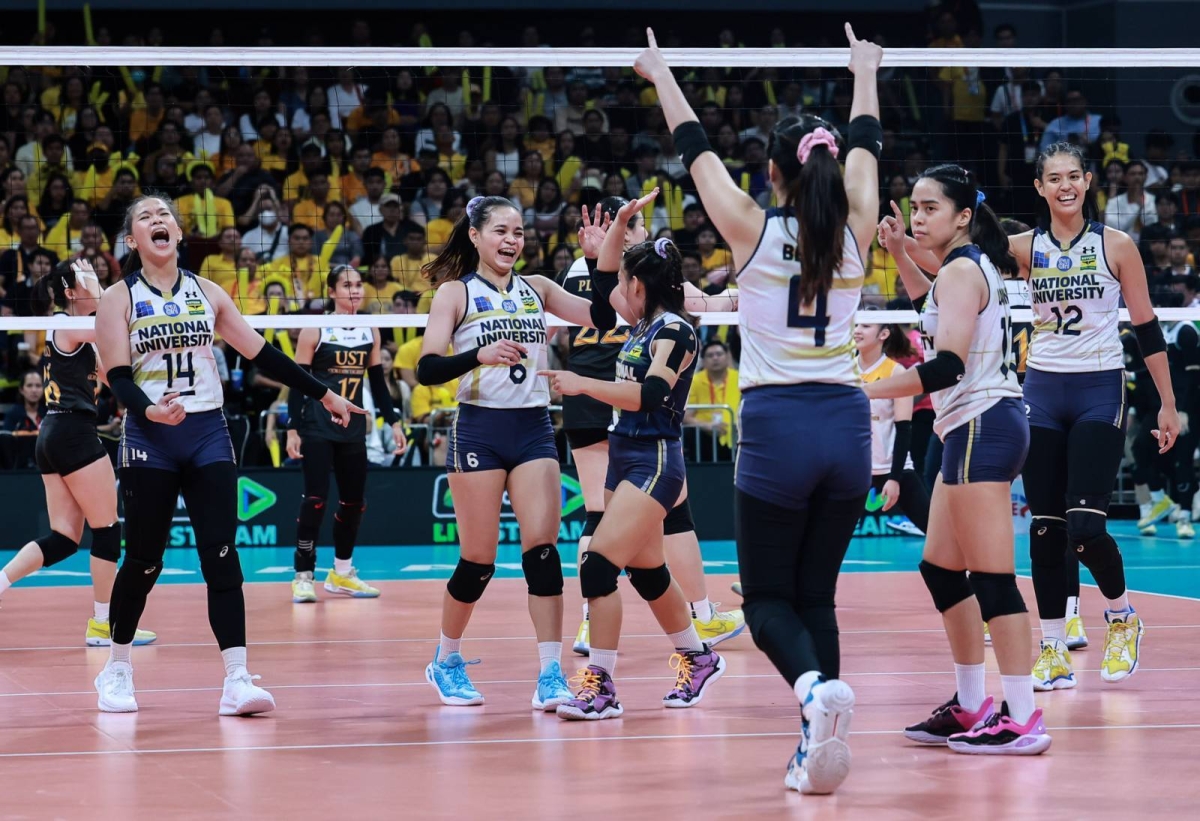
[(341, 359), (78, 476), (593, 354)]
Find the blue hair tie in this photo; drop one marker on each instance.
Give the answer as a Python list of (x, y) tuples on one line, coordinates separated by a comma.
[(660, 246), (980, 198)]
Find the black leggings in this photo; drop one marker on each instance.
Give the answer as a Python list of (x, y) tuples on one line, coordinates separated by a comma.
[(1151, 467), (789, 562), (150, 494), (914, 497), (347, 461)]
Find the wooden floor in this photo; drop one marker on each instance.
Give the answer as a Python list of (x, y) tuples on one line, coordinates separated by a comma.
[(359, 734)]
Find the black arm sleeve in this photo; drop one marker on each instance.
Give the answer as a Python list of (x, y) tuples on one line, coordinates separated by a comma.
[(120, 380), (438, 370), (603, 284), (900, 448), (379, 392), (943, 371), (275, 364), (296, 404)]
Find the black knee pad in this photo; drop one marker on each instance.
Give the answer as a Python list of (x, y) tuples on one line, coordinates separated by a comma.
[(308, 523), (221, 568), (597, 576), (350, 513), (650, 582), (679, 520), (141, 575), (947, 587), (55, 548), (1087, 534), (106, 542), (998, 595), (469, 580), (1047, 541), (543, 570), (591, 522)]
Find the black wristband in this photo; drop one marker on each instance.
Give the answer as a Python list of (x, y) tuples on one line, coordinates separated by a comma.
[(275, 364), (295, 404), (379, 392), (120, 380), (690, 141), (433, 369), (865, 132), (1150, 338), (900, 446)]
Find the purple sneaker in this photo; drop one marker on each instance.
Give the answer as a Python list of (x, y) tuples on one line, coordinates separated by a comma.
[(596, 699), (695, 671), (1000, 735)]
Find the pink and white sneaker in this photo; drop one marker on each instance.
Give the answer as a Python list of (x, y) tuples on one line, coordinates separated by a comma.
[(1000, 735)]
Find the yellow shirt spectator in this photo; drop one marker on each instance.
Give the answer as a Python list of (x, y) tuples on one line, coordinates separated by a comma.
[(304, 277), (309, 213), (453, 164), (429, 398), (194, 213), (220, 270), (968, 95), (719, 258), (394, 165), (437, 232), (704, 392), (296, 186), (378, 298), (407, 271)]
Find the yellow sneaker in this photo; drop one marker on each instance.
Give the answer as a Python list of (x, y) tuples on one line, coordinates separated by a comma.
[(1052, 670), (1161, 509), (1076, 637), (1121, 645), (582, 638), (987, 634), (721, 627), (98, 635), (350, 585), (302, 588)]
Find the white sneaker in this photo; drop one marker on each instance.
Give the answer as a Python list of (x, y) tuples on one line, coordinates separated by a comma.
[(906, 527), (823, 761), (114, 685), (242, 697), (302, 588)]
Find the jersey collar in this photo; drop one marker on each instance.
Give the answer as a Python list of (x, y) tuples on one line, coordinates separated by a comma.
[(1087, 226), (512, 280), (176, 288)]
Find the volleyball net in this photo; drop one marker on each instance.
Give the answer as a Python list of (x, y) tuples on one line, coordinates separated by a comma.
[(286, 162)]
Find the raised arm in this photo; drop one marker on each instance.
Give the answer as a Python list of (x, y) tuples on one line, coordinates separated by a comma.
[(899, 245), (862, 163), (734, 214)]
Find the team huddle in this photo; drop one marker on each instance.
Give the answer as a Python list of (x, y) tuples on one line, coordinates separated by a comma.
[(806, 366)]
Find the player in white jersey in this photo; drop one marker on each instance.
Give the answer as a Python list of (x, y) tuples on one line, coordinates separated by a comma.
[(880, 347), (804, 459), (155, 331), (982, 425), (502, 437)]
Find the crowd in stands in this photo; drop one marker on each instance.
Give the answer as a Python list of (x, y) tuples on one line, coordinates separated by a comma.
[(279, 174)]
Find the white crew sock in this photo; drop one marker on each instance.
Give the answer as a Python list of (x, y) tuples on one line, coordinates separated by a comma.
[(971, 680), (586, 615), (342, 566), (702, 610), (687, 639), (1072, 607), (549, 651), (119, 652), (1120, 604), (101, 610), (1054, 629), (447, 646), (1018, 692), (606, 660), (4, 582), (235, 661)]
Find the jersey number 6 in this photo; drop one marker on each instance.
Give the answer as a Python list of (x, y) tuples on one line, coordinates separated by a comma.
[(818, 320)]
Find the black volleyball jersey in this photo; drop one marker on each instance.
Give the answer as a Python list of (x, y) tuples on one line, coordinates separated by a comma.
[(593, 353), (340, 364), (69, 379)]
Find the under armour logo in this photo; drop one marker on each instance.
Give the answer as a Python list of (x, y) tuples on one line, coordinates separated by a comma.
[(224, 551), (1041, 531), (545, 553)]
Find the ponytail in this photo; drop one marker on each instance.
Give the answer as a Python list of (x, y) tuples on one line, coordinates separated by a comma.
[(659, 266), (51, 290), (816, 193), (460, 257), (897, 345)]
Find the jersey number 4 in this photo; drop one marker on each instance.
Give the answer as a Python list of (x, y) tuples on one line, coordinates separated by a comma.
[(179, 366), (818, 320)]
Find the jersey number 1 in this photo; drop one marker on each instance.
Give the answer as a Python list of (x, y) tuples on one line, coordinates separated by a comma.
[(177, 370), (818, 320)]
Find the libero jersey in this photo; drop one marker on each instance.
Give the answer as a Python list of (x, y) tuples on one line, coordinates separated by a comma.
[(883, 420), (784, 342), (592, 353), (170, 342), (516, 314), (633, 363), (69, 379), (1075, 304), (989, 375), (340, 364)]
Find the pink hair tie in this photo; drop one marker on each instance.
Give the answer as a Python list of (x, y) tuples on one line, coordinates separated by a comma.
[(818, 136)]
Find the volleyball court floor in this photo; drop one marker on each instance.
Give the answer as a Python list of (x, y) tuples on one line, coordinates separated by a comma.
[(359, 733)]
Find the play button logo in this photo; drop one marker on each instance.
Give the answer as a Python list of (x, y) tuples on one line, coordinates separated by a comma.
[(253, 499)]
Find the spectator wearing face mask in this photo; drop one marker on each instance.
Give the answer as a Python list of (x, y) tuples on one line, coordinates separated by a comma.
[(269, 239)]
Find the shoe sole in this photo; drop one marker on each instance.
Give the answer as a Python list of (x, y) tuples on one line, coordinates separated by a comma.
[(1080, 645), (571, 714), (258, 704), (104, 707), (92, 641), (354, 594), (676, 704), (1040, 744), (913, 531), (926, 738), (736, 587), (303, 600), (733, 634), (449, 701), (828, 754), (582, 649), (1057, 684), (550, 705)]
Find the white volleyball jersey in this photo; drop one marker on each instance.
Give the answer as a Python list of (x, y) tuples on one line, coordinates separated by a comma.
[(1075, 304), (515, 314), (170, 342), (784, 342), (883, 420), (990, 374)]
